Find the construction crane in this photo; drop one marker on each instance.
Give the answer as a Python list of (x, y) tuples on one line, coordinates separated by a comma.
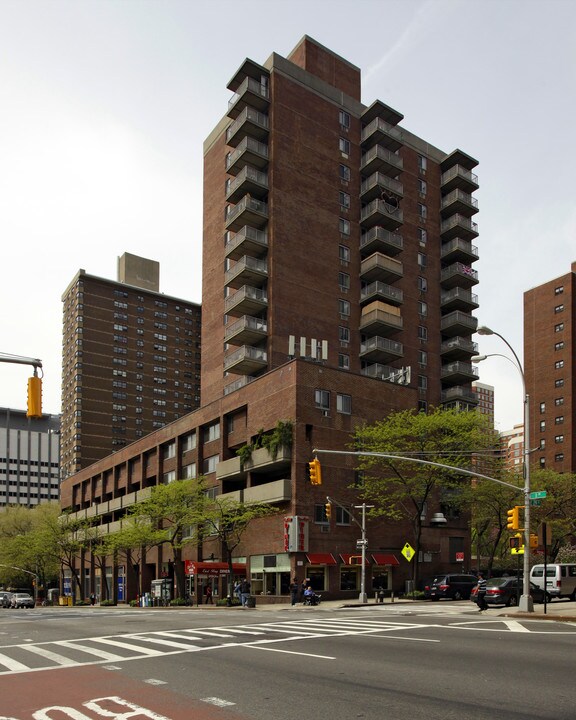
[(34, 383)]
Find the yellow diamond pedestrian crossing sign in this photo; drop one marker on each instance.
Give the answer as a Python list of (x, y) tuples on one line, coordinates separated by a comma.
[(408, 551)]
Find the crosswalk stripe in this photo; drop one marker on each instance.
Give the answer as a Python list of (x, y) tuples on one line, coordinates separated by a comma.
[(102, 654), (135, 648), (12, 664), (49, 655), (161, 641)]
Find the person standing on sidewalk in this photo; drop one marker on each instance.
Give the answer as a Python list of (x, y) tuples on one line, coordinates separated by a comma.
[(294, 591), (481, 593)]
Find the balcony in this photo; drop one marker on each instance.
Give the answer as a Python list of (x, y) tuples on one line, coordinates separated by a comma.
[(379, 132), (249, 181), (271, 492), (458, 299), (247, 241), (379, 371), (251, 92), (237, 384), (246, 360), (458, 323), (458, 250), (246, 301), (458, 275), (457, 395), (458, 226), (246, 331), (261, 461), (458, 202), (249, 152), (458, 373), (384, 213), (377, 239), (247, 212), (381, 267), (373, 187), (378, 159), (247, 271), (380, 349), (458, 177), (250, 123), (457, 348), (381, 291), (376, 320)]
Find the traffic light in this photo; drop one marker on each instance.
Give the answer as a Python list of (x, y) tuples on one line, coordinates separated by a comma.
[(34, 397), (513, 518), (516, 541), (315, 472), (533, 541), (328, 507)]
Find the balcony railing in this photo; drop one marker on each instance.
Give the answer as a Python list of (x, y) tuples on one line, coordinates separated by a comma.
[(249, 122), (386, 292), (458, 299), (458, 323), (459, 225), (246, 359), (237, 384), (380, 348), (458, 274), (459, 177), (251, 92), (459, 393), (458, 347), (458, 201), (381, 267), (247, 270), (382, 132), (255, 210), (373, 186), (378, 238), (246, 300), (459, 249), (249, 328), (248, 180), (382, 213), (247, 240), (254, 152), (380, 159)]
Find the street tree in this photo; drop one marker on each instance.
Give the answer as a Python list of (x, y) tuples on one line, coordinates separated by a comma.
[(402, 490)]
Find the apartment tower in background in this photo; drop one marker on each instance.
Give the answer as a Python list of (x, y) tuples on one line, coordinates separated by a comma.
[(549, 366), (130, 360), (485, 398)]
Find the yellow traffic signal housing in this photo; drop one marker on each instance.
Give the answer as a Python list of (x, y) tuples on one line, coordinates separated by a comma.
[(315, 472), (533, 541), (514, 518), (328, 507), (516, 541), (34, 397)]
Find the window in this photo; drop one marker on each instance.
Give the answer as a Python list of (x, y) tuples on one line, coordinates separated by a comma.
[(542, 407), (542, 425), (559, 438), (344, 404), (344, 118), (344, 173), (422, 211), (344, 199), (322, 399), (559, 419), (542, 462), (559, 401), (344, 281), (559, 345), (344, 334), (209, 464), (169, 451), (189, 471), (422, 163), (422, 406), (211, 432), (422, 332), (422, 382), (320, 515), (421, 186), (344, 146), (559, 290), (422, 284), (559, 364), (344, 307), (559, 382), (422, 358), (559, 457), (169, 477), (422, 308), (344, 253), (559, 327), (344, 362), (422, 260), (344, 226), (342, 516), (542, 445), (559, 308), (422, 236)]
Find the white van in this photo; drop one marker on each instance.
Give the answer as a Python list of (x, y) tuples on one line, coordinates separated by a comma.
[(560, 579)]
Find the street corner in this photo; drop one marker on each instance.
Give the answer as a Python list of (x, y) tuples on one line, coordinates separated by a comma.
[(91, 693)]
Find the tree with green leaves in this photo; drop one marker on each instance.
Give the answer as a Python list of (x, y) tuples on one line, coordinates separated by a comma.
[(401, 489)]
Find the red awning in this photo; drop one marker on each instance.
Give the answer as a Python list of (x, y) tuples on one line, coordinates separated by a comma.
[(212, 568), (384, 559), (320, 558), (345, 557)]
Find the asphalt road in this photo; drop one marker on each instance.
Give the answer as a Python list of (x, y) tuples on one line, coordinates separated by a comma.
[(398, 663)]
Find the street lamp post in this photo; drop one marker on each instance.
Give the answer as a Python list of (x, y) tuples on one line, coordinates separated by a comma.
[(526, 604)]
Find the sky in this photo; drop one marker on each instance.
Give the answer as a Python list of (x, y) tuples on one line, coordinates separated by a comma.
[(105, 104)]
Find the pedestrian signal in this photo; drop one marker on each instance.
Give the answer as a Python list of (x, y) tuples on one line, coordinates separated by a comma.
[(315, 472)]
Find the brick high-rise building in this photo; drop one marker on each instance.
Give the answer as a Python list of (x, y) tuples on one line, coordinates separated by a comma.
[(485, 398), (130, 361), (550, 367), (337, 288)]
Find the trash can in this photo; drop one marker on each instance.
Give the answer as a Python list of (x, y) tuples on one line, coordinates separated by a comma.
[(251, 601)]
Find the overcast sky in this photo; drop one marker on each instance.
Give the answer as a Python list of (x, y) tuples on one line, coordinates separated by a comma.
[(104, 106)]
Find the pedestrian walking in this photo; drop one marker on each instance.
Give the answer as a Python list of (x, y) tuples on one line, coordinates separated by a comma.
[(92, 599), (244, 592), (237, 586), (208, 592), (294, 591), (481, 593)]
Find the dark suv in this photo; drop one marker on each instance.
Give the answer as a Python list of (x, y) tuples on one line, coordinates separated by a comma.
[(456, 587)]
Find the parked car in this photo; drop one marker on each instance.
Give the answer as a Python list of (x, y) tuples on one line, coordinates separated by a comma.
[(22, 600), (560, 579), (5, 598), (506, 591), (452, 585)]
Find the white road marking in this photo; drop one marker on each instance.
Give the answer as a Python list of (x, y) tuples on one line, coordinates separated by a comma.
[(49, 655), (110, 657), (153, 681), (288, 652), (219, 702), (135, 648), (12, 664), (515, 626)]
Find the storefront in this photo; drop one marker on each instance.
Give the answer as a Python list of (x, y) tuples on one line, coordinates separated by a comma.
[(270, 574), (200, 575), (317, 569), (382, 570)]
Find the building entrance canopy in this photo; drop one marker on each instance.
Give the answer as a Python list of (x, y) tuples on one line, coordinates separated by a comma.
[(212, 569)]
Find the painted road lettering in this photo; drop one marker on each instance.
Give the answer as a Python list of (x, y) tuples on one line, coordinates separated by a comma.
[(115, 708)]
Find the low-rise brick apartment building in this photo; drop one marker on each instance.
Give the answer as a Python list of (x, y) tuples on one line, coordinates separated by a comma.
[(337, 287)]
